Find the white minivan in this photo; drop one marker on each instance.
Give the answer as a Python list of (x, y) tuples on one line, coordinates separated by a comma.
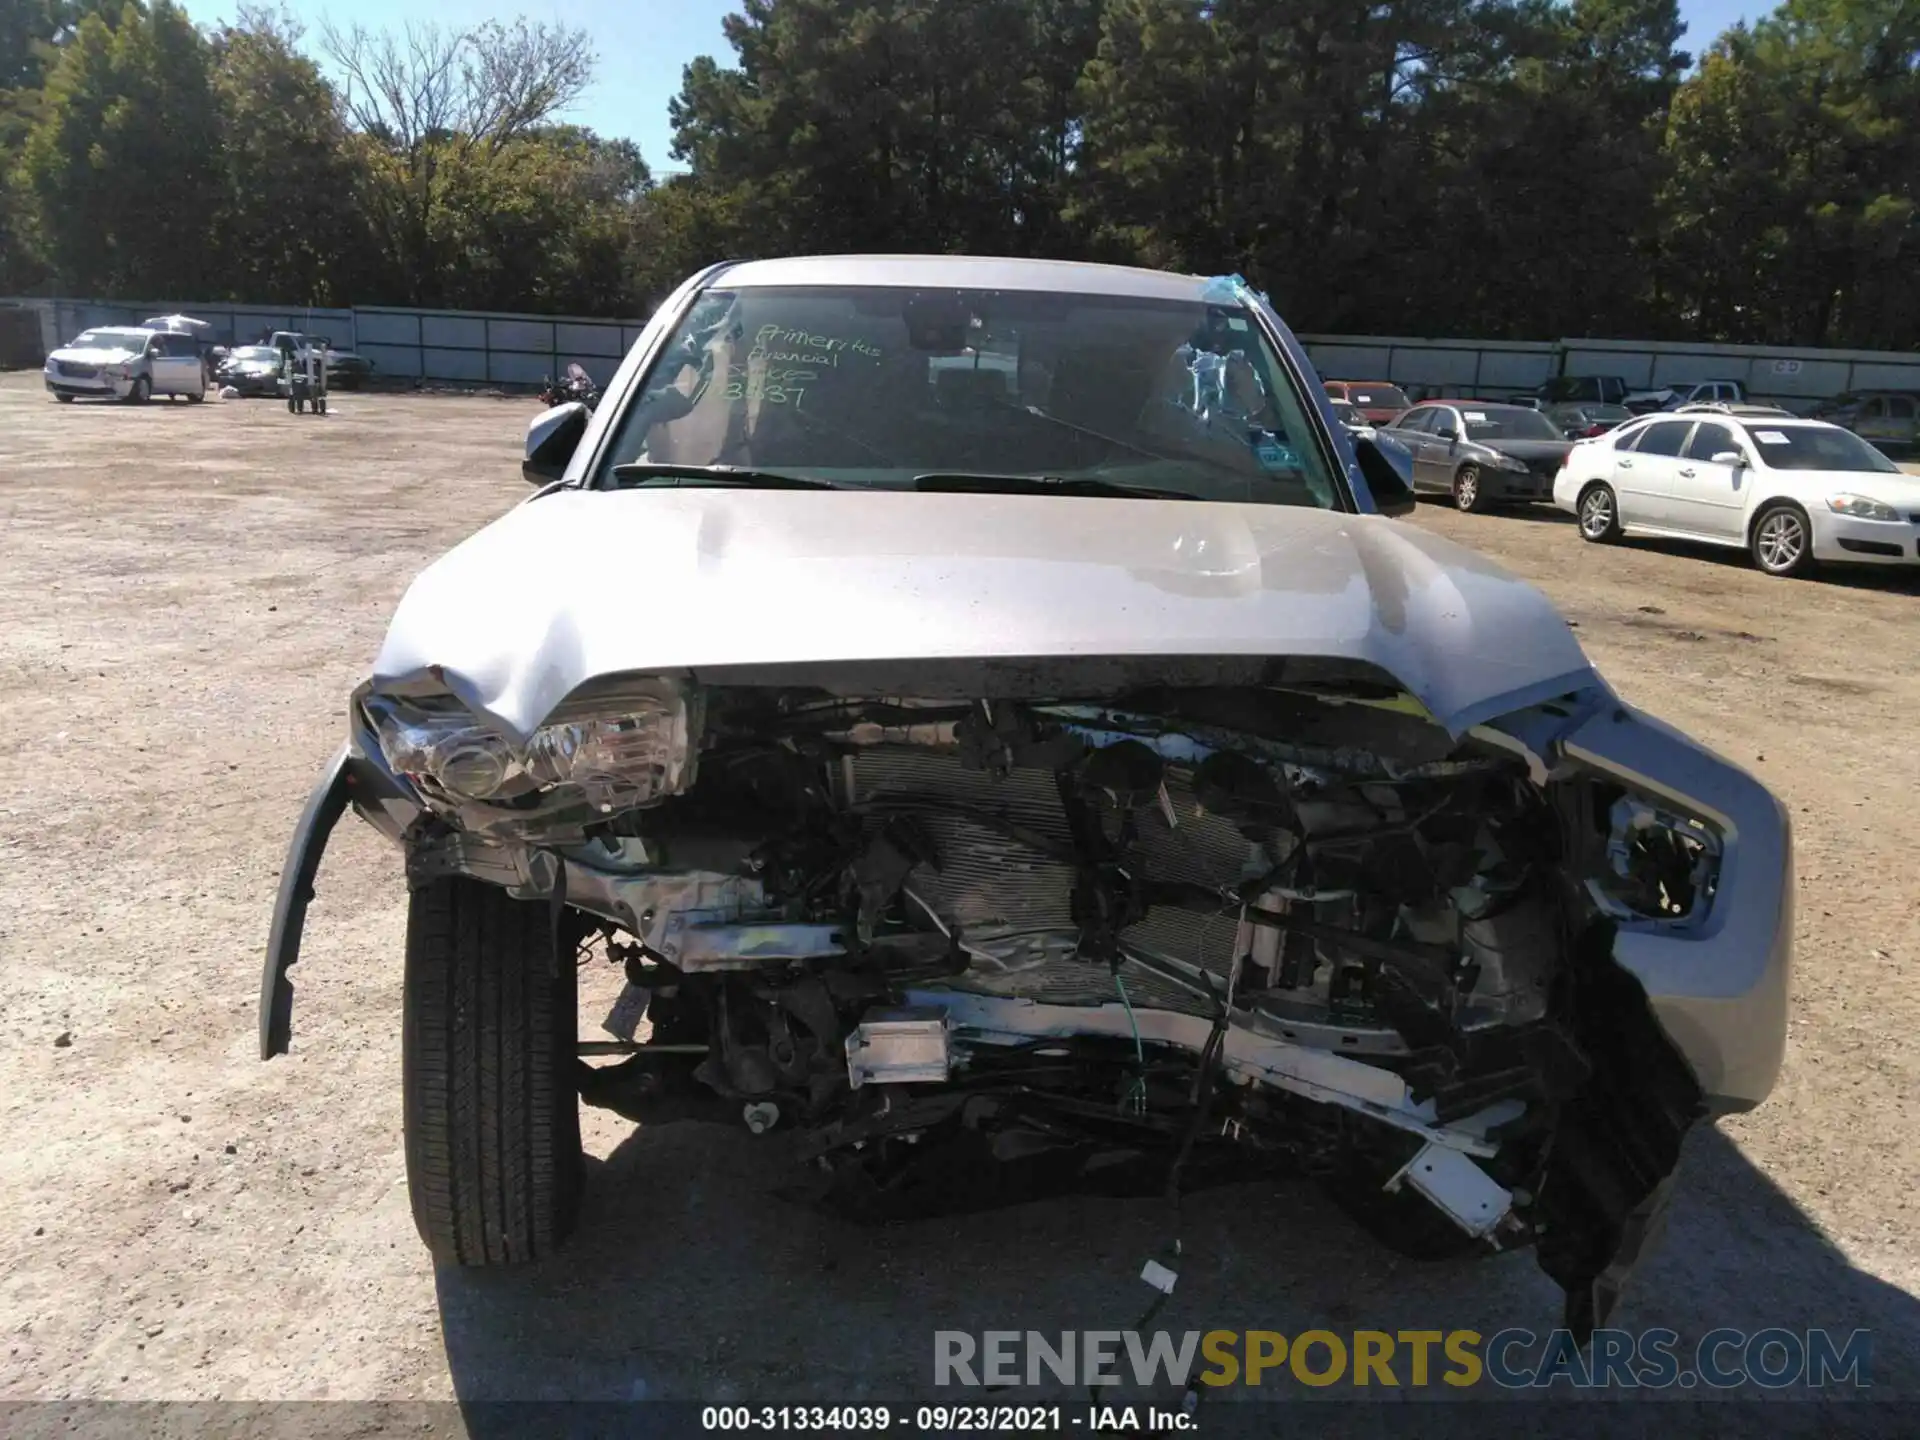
[(127, 363)]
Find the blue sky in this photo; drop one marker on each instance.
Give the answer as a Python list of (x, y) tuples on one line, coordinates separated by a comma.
[(643, 44)]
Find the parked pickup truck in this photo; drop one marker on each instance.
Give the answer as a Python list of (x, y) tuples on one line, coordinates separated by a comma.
[(1582, 390), (1672, 397)]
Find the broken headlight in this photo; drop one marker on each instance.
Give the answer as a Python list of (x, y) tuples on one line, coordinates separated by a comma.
[(642, 747), (436, 740), (630, 749)]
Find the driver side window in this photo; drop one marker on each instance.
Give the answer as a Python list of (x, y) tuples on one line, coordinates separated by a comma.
[(1445, 426)]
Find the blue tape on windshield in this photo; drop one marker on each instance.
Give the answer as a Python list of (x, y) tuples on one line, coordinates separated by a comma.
[(1225, 290), (1230, 290)]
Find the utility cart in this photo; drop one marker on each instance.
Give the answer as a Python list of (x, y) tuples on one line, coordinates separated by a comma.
[(303, 372)]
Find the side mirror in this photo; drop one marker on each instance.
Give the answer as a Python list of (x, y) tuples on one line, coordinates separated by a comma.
[(1730, 457), (552, 437), (1387, 467)]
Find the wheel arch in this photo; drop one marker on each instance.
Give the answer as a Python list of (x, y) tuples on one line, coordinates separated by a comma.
[(1774, 501)]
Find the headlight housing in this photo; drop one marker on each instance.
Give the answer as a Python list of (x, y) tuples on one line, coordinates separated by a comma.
[(1507, 462), (618, 749), (1861, 507)]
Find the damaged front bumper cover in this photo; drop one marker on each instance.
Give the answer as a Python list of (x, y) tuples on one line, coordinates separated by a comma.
[(378, 798)]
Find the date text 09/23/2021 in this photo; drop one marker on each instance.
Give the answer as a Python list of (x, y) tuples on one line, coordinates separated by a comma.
[(950, 1419)]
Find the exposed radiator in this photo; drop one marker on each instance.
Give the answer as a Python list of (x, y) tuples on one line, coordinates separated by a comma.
[(1011, 905)]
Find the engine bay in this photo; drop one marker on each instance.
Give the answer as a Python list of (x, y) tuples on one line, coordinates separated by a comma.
[(966, 951)]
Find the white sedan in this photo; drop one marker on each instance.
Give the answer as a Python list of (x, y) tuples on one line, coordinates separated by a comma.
[(1791, 492)]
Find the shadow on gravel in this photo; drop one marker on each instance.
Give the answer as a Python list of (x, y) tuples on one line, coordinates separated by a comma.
[(689, 1281), (1888, 579), (1541, 513)]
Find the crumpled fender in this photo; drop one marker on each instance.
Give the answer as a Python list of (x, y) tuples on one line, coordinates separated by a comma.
[(325, 806)]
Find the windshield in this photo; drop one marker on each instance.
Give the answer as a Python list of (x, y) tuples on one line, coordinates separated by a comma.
[(874, 387), (1818, 447), (254, 352), (111, 340), (1509, 423), (1378, 397)]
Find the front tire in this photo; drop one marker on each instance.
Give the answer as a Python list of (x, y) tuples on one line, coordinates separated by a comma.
[(488, 1076), (1782, 541), (1469, 495), (1599, 515)]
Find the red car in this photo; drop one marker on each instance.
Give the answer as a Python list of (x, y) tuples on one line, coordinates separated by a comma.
[(1375, 399)]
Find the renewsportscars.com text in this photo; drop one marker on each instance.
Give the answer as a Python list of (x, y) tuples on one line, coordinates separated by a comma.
[(1772, 1359)]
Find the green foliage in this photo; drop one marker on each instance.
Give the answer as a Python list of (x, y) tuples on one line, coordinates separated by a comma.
[(121, 159), (1527, 168), (1796, 171), (289, 224)]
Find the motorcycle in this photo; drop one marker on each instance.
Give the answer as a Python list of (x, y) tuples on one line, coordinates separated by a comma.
[(576, 384)]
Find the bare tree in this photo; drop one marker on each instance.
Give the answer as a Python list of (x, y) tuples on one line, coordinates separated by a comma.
[(432, 97), (483, 86)]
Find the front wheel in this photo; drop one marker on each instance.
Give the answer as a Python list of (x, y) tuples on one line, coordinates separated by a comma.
[(1469, 497), (64, 399), (1599, 515), (488, 1076), (1782, 541)]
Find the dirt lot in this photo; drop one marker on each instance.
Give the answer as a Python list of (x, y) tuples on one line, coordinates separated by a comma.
[(190, 592)]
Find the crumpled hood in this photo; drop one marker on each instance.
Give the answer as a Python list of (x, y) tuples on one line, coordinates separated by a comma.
[(578, 584)]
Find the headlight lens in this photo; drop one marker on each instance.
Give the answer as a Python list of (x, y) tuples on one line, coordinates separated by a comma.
[(439, 741), (642, 754), (632, 747), (1507, 462), (1861, 508)]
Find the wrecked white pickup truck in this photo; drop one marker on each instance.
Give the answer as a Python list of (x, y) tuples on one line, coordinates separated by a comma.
[(984, 707)]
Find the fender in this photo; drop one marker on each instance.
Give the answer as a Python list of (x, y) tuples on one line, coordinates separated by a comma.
[(325, 806)]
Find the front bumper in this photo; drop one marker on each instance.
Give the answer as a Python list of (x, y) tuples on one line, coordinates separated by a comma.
[(98, 388), (1855, 541), (1518, 485), (1717, 985)]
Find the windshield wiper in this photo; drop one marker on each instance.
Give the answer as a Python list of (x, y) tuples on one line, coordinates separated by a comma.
[(969, 482), (642, 472)]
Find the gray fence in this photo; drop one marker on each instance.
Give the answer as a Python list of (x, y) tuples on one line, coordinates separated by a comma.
[(404, 344), (497, 349), (61, 320), (1792, 378), (504, 349), (1484, 364)]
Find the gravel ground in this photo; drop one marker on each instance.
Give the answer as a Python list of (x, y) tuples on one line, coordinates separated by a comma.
[(190, 592)]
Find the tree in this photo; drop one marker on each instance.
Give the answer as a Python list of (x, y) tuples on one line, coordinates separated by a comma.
[(1795, 172), (878, 124), (121, 159), (290, 226), (433, 107)]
